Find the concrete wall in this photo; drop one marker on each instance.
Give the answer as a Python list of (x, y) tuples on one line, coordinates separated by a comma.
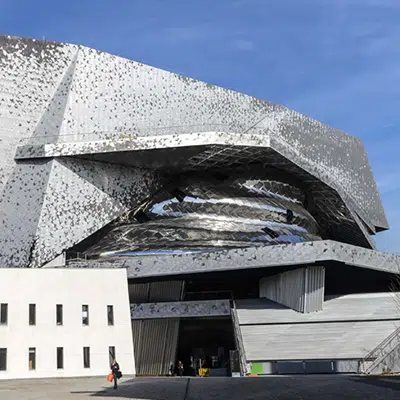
[(348, 328), (72, 288), (350, 307), (319, 340), (181, 309)]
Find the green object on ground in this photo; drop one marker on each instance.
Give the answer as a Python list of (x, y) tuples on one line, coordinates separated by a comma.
[(256, 368)]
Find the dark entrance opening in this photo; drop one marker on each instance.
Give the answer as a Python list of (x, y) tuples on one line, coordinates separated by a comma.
[(206, 343)]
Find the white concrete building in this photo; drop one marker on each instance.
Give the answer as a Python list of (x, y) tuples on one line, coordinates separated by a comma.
[(64, 322)]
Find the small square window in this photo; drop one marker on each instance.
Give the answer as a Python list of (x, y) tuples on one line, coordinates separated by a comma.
[(86, 357), (110, 315), (85, 314), (32, 358), (3, 314)]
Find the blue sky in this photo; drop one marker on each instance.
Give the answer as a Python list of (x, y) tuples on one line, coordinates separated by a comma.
[(335, 60)]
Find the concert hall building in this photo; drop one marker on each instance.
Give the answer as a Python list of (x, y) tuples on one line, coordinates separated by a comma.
[(150, 217)]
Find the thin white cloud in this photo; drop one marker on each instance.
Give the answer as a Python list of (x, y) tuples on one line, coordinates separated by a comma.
[(243, 45)]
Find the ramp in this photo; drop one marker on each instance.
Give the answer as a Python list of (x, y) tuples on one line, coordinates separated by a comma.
[(348, 328)]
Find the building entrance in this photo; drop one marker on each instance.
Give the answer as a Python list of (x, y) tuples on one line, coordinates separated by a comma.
[(205, 343)]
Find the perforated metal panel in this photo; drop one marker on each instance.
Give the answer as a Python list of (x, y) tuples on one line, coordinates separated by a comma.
[(94, 104)]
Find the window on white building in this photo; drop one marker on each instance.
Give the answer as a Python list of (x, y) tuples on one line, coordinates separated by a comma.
[(32, 358), (60, 357), (110, 315), (32, 314), (85, 314), (3, 314), (86, 357), (111, 354), (59, 314), (3, 359)]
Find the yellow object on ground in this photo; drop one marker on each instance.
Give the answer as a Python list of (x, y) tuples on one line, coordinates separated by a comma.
[(204, 372)]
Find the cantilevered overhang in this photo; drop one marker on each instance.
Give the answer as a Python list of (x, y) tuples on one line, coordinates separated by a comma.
[(250, 258), (101, 98), (108, 147), (90, 103), (334, 207)]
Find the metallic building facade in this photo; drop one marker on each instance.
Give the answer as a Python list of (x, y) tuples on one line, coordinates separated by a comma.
[(201, 214), (121, 165)]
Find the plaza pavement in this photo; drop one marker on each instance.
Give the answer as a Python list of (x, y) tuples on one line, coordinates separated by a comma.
[(326, 387)]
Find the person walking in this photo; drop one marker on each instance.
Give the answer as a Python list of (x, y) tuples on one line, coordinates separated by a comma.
[(180, 368), (116, 372)]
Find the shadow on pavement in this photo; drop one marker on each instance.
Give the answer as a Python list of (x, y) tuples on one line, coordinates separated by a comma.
[(146, 389), (382, 382), (259, 388)]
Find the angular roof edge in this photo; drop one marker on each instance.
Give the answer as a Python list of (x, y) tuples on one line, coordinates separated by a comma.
[(147, 94), (250, 258)]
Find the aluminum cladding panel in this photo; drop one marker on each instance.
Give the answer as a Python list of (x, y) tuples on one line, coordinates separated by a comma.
[(111, 94), (47, 207), (52, 90), (126, 95), (30, 73)]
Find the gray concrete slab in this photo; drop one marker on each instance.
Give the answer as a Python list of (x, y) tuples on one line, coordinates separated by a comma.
[(281, 255), (327, 387)]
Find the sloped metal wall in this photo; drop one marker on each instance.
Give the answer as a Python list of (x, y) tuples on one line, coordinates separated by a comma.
[(155, 291), (301, 289), (314, 289), (155, 340), (165, 291)]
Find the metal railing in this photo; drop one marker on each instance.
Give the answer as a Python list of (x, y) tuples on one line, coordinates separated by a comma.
[(76, 257), (378, 354), (381, 360)]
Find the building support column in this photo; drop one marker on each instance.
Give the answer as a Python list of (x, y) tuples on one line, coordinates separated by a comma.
[(301, 289)]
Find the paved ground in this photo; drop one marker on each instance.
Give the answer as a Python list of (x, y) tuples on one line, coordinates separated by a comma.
[(270, 388)]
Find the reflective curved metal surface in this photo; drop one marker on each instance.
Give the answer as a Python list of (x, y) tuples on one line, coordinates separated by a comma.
[(206, 214)]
